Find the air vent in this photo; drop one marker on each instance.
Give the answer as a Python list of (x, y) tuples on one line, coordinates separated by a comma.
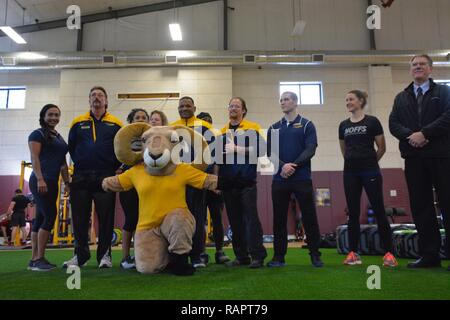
[(318, 58), (8, 61), (171, 59), (249, 58), (108, 59)]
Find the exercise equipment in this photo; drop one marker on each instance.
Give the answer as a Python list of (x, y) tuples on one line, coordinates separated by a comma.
[(395, 212), (369, 241), (62, 232), (406, 244), (117, 237), (62, 229)]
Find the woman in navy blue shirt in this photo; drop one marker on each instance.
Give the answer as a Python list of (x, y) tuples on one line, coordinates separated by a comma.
[(48, 156)]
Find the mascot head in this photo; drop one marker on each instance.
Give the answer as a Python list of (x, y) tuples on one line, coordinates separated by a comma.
[(161, 147)]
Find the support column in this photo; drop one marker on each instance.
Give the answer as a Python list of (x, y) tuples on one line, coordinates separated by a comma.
[(381, 100)]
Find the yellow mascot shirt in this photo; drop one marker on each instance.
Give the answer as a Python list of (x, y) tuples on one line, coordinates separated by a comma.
[(159, 195)]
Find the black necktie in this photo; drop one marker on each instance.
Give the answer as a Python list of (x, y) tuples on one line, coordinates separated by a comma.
[(419, 102)]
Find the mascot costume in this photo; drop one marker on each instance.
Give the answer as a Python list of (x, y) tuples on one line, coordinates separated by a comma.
[(163, 237)]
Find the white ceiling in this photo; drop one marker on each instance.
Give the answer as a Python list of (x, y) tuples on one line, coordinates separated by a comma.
[(47, 10)]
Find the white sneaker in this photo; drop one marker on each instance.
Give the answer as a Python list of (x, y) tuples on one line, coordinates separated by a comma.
[(105, 262), (128, 263), (198, 264), (72, 262)]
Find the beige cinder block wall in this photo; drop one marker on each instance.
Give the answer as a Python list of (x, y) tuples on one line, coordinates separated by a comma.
[(210, 88), (15, 125)]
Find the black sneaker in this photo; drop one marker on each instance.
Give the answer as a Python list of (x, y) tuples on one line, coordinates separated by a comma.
[(204, 257), (276, 264), (31, 264), (448, 269), (425, 263), (42, 265), (238, 262), (198, 263), (316, 261), (221, 258), (256, 264), (52, 264)]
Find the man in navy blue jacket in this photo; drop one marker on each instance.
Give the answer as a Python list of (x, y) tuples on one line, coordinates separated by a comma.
[(420, 120), (242, 144), (91, 147), (297, 143)]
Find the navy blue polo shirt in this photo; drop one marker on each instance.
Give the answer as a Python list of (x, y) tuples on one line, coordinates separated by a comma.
[(293, 138), (52, 155)]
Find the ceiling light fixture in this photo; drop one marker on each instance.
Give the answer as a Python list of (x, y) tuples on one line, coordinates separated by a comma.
[(175, 32), (175, 28), (10, 32)]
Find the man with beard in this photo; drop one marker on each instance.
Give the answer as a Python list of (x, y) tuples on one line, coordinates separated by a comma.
[(243, 144), (91, 147)]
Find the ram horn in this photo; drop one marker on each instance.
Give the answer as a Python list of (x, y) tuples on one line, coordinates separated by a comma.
[(123, 142)]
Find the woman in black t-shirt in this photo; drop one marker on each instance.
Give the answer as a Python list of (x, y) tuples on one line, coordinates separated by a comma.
[(357, 136)]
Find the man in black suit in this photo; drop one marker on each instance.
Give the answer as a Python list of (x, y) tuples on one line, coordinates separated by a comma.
[(420, 119)]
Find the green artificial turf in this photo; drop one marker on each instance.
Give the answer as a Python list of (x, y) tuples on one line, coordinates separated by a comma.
[(296, 281)]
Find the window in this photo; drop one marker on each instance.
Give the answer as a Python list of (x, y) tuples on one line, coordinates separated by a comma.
[(307, 92), (12, 97), (447, 82)]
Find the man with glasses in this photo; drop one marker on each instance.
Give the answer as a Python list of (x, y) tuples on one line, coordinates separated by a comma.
[(420, 119), (242, 145)]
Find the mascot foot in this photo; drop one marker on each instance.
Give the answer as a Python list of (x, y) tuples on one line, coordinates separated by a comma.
[(179, 265)]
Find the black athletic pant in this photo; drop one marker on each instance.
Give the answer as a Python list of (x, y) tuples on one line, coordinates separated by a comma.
[(421, 175), (196, 201), (372, 182), (130, 205), (245, 224), (215, 204), (281, 196), (46, 209), (86, 187)]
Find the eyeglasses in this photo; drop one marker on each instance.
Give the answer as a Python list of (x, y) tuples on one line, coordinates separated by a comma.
[(231, 106), (422, 64)]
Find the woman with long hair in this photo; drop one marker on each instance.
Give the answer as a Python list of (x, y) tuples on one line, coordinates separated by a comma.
[(48, 157)]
